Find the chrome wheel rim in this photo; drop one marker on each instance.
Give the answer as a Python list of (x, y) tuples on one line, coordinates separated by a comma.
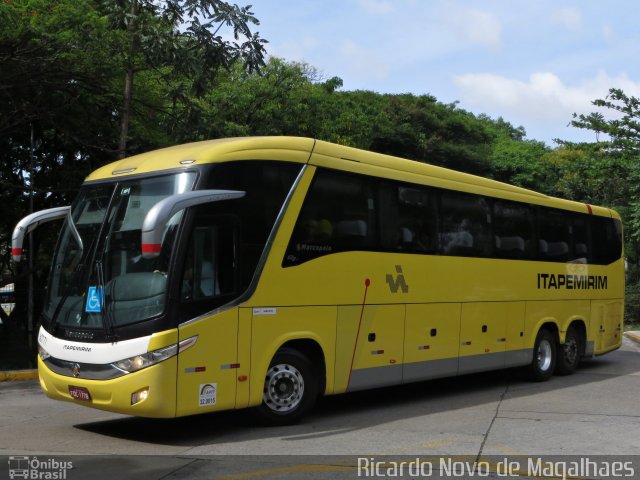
[(544, 355), (283, 388)]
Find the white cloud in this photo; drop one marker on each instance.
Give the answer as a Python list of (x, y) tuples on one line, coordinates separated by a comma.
[(607, 32), (543, 99), (569, 18), (376, 7), (477, 27)]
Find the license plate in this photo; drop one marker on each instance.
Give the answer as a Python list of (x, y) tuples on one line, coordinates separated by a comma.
[(79, 393)]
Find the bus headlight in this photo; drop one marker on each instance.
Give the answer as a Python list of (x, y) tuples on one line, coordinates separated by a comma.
[(138, 362), (133, 364)]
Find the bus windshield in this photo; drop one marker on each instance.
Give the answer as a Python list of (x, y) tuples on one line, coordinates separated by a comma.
[(99, 279)]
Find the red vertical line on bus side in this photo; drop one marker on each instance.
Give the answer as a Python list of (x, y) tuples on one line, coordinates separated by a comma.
[(367, 282)]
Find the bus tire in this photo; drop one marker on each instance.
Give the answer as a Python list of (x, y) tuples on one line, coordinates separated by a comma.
[(544, 356), (569, 353), (290, 389)]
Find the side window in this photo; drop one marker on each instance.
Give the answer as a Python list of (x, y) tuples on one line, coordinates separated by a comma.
[(580, 235), (266, 185), (554, 239), (513, 227), (409, 214), (465, 225), (606, 234), (338, 215), (210, 267)]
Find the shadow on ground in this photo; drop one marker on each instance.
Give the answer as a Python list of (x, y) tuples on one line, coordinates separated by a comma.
[(349, 412)]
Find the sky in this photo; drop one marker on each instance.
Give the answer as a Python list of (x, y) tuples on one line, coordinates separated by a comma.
[(533, 63)]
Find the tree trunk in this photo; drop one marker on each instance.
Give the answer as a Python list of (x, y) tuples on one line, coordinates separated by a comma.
[(128, 82), (126, 108)]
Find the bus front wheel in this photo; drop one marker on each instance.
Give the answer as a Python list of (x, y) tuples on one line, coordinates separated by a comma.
[(544, 356), (290, 389)]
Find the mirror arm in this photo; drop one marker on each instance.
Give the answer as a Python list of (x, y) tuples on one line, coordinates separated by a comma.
[(29, 224), (157, 218)]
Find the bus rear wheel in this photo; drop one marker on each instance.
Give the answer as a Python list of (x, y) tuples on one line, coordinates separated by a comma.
[(290, 389), (544, 356), (569, 353)]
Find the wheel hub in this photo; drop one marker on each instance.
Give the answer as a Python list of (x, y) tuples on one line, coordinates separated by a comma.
[(284, 388), (544, 355)]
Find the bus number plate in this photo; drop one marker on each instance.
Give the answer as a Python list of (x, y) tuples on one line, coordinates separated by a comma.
[(79, 393)]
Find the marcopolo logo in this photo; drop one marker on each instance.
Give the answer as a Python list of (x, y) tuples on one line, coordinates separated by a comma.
[(398, 282), (33, 468)]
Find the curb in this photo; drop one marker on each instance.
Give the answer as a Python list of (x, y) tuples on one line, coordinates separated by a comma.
[(635, 336), (18, 375)]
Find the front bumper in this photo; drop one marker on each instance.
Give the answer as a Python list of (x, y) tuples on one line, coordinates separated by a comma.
[(114, 395)]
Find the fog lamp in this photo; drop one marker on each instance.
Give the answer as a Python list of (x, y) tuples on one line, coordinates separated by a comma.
[(139, 396)]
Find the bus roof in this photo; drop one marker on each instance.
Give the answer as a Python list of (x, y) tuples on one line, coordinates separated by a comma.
[(293, 149), (321, 153)]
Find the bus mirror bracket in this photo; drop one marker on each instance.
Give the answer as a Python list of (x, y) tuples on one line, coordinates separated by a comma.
[(158, 216), (29, 224)]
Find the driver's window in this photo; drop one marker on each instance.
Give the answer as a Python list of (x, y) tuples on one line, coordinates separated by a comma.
[(210, 267)]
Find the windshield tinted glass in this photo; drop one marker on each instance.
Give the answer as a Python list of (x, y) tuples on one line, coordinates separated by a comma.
[(105, 282), (72, 258)]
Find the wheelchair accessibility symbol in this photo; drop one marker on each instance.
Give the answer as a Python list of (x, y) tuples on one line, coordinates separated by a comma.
[(94, 300)]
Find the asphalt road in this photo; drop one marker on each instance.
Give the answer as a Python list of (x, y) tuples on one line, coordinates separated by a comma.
[(496, 415)]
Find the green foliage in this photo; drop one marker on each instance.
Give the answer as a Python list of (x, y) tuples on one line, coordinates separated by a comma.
[(520, 162), (609, 170), (52, 76), (632, 305), (623, 130), (423, 129), (181, 39), (294, 99), (62, 66)]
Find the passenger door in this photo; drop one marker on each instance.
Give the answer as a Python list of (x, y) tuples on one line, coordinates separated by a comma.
[(207, 371)]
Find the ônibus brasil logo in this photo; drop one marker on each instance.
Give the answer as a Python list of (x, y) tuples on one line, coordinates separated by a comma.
[(33, 468)]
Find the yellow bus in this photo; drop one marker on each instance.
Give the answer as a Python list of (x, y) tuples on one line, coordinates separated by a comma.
[(264, 272)]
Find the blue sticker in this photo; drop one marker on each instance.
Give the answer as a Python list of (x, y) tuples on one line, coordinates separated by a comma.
[(94, 300)]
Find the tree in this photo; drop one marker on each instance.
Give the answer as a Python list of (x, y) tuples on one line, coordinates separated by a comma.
[(611, 169), (423, 129), (520, 162), (55, 104), (61, 70), (181, 38), (294, 99), (62, 111), (620, 153), (623, 130)]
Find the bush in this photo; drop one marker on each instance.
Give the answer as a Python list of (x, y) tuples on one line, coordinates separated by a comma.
[(632, 305)]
